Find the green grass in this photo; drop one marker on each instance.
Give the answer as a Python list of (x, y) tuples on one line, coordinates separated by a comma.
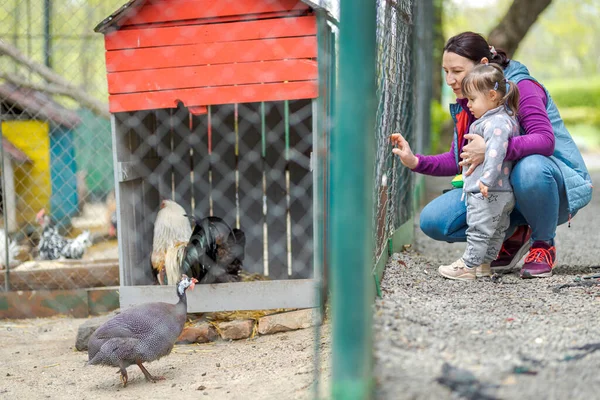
[(575, 92), (581, 116), (587, 137), (578, 101)]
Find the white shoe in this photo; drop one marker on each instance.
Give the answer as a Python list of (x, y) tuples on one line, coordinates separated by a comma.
[(458, 270)]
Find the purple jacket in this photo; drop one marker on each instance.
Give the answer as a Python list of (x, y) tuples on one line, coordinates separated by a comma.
[(537, 135)]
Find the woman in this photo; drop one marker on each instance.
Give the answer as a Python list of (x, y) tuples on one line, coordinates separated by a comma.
[(550, 179)]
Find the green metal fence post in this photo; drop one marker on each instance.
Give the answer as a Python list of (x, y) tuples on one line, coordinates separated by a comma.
[(352, 152), (5, 211)]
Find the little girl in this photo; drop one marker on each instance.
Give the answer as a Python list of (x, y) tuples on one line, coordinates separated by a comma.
[(489, 197)]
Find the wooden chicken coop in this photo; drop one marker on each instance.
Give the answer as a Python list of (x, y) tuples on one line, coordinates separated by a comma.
[(223, 107)]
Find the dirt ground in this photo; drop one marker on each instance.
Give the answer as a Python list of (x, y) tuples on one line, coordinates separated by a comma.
[(38, 360)]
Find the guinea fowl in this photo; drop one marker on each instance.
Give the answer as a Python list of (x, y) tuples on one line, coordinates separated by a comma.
[(140, 334)]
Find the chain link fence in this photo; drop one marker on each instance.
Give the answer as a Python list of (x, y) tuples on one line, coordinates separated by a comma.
[(393, 193), (57, 166), (213, 109), (218, 110), (226, 111)]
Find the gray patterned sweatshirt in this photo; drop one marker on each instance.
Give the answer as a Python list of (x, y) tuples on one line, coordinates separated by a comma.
[(496, 127)]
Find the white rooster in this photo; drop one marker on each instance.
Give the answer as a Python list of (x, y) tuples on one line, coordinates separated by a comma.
[(171, 227), (13, 251)]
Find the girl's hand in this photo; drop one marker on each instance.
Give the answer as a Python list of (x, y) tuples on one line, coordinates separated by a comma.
[(473, 153), (483, 189), (403, 150)]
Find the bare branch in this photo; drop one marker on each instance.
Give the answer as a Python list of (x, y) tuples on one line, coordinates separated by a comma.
[(41, 87), (56, 83)]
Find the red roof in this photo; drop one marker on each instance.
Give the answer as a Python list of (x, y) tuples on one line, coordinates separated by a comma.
[(129, 9)]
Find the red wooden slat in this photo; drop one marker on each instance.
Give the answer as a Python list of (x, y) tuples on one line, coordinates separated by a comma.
[(194, 34), (175, 10), (214, 95), (212, 53), (212, 75)]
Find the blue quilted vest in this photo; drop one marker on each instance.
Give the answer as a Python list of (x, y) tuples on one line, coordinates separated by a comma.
[(566, 155)]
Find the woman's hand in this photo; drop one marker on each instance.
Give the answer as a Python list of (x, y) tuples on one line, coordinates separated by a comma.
[(473, 153), (403, 150)]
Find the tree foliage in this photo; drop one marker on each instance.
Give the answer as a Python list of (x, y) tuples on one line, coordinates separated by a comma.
[(562, 42), (77, 52)]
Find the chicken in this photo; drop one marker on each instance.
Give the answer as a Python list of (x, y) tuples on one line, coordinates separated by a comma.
[(13, 251), (171, 226), (213, 254), (75, 248), (53, 246), (111, 214), (140, 334), (112, 227)]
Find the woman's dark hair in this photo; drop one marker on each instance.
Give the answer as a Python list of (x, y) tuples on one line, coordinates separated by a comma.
[(473, 46)]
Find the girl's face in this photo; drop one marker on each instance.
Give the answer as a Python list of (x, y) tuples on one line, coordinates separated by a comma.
[(481, 102), (456, 67)]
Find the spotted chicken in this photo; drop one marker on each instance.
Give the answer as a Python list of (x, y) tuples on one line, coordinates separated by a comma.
[(53, 245)]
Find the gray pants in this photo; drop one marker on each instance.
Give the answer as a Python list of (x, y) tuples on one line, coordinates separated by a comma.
[(488, 219)]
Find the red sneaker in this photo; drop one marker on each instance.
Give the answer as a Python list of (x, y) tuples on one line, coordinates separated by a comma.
[(513, 249), (540, 261)]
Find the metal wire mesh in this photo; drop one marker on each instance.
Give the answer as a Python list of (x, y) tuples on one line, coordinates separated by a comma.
[(215, 111), (56, 148), (212, 108), (395, 113)]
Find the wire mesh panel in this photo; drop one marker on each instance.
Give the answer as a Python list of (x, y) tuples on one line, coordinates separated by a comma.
[(244, 163), (395, 113), (227, 93), (57, 169), (210, 105)]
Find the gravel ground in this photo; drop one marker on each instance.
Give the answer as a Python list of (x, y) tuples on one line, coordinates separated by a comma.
[(508, 339)]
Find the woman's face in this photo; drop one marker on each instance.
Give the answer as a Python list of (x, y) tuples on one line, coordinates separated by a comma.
[(456, 68)]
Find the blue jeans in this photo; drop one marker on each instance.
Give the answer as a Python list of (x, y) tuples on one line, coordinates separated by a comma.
[(541, 204)]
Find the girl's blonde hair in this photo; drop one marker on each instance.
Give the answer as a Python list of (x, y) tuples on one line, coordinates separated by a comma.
[(485, 77)]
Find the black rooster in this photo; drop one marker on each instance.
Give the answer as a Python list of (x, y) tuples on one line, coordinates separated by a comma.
[(213, 254)]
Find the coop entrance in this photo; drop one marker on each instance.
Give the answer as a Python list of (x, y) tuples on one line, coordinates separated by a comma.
[(248, 164)]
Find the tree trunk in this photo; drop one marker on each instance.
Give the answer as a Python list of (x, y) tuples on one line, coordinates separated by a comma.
[(516, 23), (438, 46)]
